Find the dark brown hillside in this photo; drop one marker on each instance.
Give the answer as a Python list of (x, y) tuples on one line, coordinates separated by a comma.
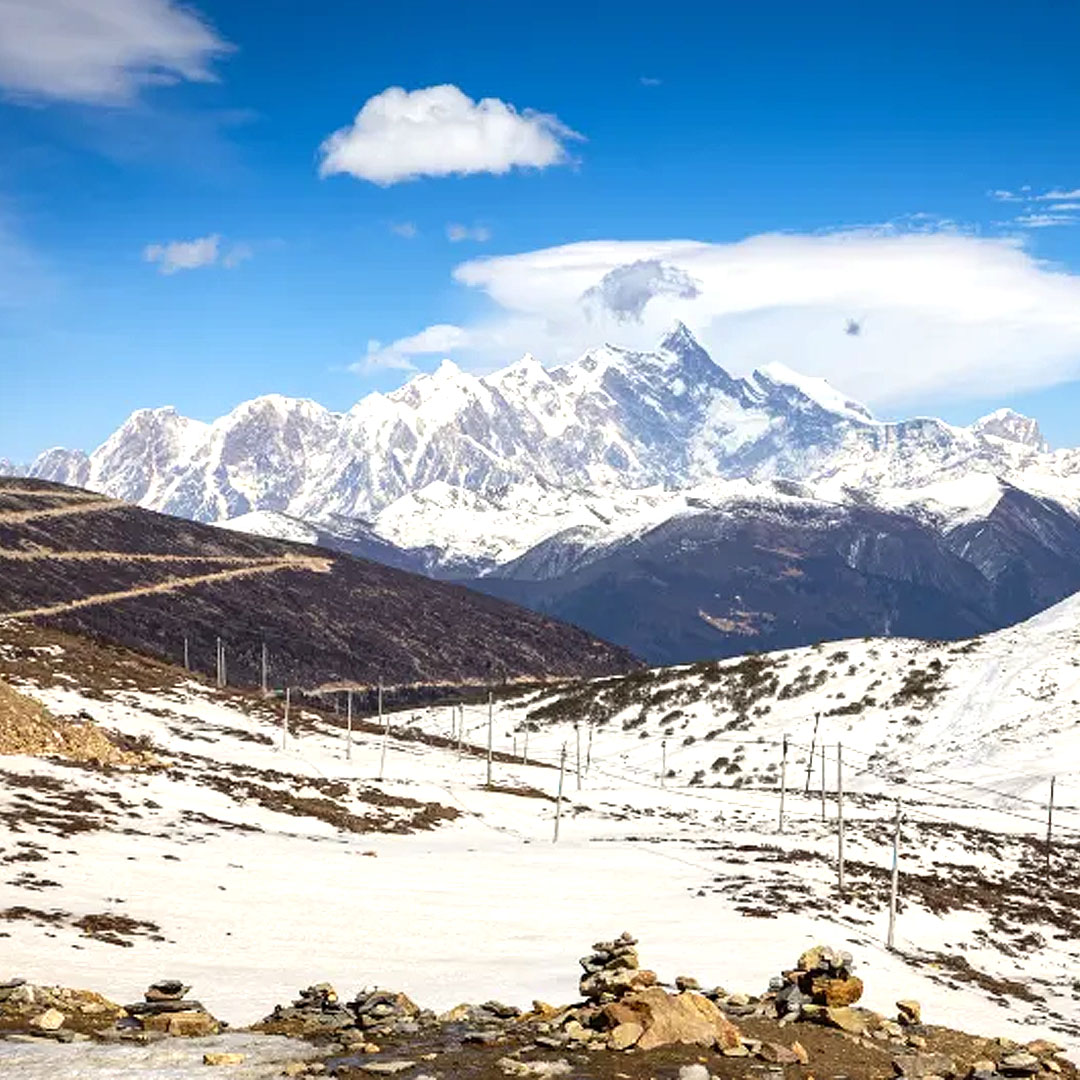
[(86, 564)]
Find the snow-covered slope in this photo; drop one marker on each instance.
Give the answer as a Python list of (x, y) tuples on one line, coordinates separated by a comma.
[(239, 857), (481, 469)]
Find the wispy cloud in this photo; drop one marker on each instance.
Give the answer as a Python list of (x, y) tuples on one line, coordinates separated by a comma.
[(196, 254), (236, 255), (438, 340), (101, 52), (944, 314), (1044, 221), (648, 80), (1036, 214), (440, 131), (478, 234), (406, 229)]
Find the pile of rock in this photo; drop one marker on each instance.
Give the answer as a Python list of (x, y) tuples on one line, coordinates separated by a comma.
[(821, 986), (55, 1012), (316, 1011), (165, 1010), (625, 1007), (381, 1013), (612, 970)]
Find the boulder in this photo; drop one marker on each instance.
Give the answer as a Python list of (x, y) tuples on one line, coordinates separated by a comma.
[(909, 1012), (222, 1058), (189, 1025), (687, 1018), (49, 1020), (624, 1036), (853, 1021), (916, 1066), (825, 990)]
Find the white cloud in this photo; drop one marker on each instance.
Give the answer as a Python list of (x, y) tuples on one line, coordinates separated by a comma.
[(102, 51), (1058, 193), (1043, 220), (479, 234), (1064, 206), (626, 290), (440, 131), (237, 254), (648, 80), (943, 315), (407, 229), (437, 340)]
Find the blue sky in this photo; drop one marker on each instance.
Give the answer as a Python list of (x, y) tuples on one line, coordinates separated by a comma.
[(888, 124)]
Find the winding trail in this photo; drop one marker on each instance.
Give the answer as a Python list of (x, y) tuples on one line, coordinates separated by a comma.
[(83, 506), (42, 554), (289, 562)]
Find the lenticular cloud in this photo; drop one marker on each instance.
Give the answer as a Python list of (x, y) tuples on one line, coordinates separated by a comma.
[(440, 131)]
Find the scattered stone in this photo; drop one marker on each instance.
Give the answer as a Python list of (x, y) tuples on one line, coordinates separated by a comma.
[(1019, 1063), (166, 990), (388, 1068), (49, 1020), (853, 1021), (543, 1070), (687, 982), (909, 1012), (920, 1066), (777, 1054), (693, 1072), (624, 1036), (802, 1056), (222, 1058), (184, 1025)]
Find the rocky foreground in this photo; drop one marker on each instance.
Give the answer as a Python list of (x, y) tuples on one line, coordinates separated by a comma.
[(628, 1026)]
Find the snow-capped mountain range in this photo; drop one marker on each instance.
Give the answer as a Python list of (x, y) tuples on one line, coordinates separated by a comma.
[(530, 473), (483, 468)]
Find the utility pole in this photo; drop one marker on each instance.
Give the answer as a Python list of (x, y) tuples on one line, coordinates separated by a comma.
[(895, 884), (385, 734), (461, 729), (810, 759), (525, 750), (824, 809), (840, 816), (219, 682), (491, 725), (663, 762), (348, 725), (264, 682), (1050, 821), (783, 783), (558, 801), (187, 655), (588, 752), (285, 718), (577, 736)]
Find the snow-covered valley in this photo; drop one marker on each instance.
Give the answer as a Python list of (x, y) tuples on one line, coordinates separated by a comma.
[(248, 868)]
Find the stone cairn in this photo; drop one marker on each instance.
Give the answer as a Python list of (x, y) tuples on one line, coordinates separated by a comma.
[(822, 979), (612, 970), (166, 1010)]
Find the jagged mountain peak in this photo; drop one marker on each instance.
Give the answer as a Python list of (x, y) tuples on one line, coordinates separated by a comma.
[(819, 391), (1012, 426)]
